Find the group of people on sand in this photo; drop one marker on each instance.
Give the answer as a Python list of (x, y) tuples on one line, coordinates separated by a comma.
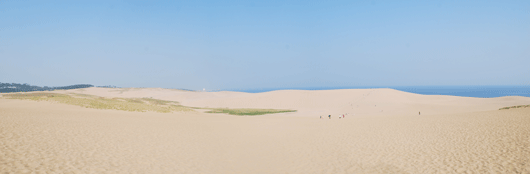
[(329, 116)]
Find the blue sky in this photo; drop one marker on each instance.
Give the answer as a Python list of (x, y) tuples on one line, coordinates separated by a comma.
[(265, 44)]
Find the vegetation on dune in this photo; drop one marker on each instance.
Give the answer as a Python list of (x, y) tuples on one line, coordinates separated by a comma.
[(520, 106), (246, 111), (89, 101), (158, 102), (15, 87), (131, 104)]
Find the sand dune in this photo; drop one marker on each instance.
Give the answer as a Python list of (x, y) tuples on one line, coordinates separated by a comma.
[(452, 135), (384, 102)]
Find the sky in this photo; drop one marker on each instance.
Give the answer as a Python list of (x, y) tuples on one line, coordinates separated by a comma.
[(265, 44)]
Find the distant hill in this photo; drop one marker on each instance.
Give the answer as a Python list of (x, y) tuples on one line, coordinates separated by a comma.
[(15, 87)]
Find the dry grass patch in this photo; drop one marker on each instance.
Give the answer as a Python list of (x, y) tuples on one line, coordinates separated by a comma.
[(90, 101), (131, 104), (520, 106), (246, 111)]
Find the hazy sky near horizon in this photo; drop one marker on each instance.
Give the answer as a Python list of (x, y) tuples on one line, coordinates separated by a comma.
[(265, 44)]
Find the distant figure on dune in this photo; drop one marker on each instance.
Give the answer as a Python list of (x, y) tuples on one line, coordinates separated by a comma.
[(419, 113), (321, 117), (329, 116)]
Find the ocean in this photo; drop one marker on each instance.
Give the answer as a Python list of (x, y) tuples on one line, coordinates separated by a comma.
[(464, 91)]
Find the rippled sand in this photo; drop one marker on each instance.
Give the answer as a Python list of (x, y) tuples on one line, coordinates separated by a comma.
[(44, 137)]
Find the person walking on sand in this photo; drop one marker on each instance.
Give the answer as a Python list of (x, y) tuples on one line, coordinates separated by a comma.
[(329, 116), (419, 113)]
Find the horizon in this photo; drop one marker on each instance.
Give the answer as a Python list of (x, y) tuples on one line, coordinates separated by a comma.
[(490, 91), (294, 88), (263, 45), (480, 91)]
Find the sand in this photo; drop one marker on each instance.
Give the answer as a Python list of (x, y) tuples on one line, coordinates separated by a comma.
[(452, 135)]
